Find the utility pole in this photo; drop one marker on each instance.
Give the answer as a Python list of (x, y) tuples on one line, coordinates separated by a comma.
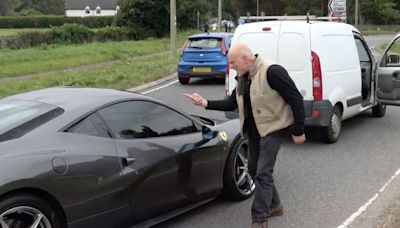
[(198, 20), (356, 14), (173, 28), (219, 14), (258, 8)]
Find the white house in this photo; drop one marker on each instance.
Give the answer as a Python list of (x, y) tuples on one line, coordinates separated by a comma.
[(84, 8)]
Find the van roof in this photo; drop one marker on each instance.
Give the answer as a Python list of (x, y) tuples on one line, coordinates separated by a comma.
[(297, 22)]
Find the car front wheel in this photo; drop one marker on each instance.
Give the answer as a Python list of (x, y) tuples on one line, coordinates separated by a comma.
[(238, 183), (21, 211)]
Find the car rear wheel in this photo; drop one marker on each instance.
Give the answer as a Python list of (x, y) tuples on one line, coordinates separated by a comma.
[(238, 183), (23, 211), (331, 133), (184, 81)]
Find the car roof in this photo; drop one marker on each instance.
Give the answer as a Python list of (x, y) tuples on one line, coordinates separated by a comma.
[(211, 35), (72, 98)]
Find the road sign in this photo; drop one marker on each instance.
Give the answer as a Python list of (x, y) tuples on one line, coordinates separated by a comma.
[(337, 6)]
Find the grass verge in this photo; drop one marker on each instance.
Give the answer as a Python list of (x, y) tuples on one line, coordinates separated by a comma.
[(125, 74), (58, 57)]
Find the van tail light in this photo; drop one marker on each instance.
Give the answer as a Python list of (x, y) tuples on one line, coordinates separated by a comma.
[(316, 76), (227, 79), (184, 46), (223, 48), (266, 29)]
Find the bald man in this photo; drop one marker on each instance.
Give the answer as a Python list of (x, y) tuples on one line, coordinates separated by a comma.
[(270, 108)]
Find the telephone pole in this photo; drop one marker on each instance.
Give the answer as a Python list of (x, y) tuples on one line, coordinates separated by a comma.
[(356, 14), (173, 28), (219, 14)]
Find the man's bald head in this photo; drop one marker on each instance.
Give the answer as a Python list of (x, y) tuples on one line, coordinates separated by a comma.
[(239, 50), (241, 58)]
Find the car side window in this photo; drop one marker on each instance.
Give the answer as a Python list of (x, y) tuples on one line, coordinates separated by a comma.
[(362, 52), (392, 56), (143, 119), (91, 125)]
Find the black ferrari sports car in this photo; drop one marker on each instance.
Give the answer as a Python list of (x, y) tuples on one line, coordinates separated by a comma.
[(86, 157)]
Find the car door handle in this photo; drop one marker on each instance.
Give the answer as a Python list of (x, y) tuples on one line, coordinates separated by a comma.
[(128, 161)]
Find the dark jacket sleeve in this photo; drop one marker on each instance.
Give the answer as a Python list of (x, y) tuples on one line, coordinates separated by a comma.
[(227, 104), (279, 80)]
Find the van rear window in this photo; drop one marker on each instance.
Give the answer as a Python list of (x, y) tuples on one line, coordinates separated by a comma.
[(204, 43)]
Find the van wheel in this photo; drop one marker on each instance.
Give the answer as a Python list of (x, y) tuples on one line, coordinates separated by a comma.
[(379, 110), (238, 183), (331, 133), (184, 81)]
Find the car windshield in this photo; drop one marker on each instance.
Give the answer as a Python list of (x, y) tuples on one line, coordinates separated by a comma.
[(204, 43), (16, 113)]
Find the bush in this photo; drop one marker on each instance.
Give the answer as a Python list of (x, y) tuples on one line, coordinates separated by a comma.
[(50, 21), (71, 34), (29, 39), (113, 33)]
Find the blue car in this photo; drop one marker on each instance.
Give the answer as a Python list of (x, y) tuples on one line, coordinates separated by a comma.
[(204, 56)]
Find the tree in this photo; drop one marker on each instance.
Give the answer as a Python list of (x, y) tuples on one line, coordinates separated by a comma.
[(380, 11), (42, 6), (187, 12), (7, 7), (145, 18)]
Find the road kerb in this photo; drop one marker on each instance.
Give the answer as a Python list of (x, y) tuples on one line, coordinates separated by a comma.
[(153, 83)]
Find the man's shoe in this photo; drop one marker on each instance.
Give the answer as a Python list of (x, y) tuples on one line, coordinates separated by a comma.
[(276, 211), (260, 225)]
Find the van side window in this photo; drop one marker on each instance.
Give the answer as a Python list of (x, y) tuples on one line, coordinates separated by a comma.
[(362, 52), (392, 56)]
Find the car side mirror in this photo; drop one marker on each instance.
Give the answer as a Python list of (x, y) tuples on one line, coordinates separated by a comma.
[(208, 133), (393, 59)]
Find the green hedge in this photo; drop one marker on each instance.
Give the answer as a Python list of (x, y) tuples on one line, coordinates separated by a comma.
[(68, 34), (49, 21), (111, 33)]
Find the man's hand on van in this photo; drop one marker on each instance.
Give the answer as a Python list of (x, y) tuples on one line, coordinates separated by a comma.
[(197, 99), (299, 139)]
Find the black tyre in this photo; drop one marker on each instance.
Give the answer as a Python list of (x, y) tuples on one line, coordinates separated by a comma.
[(238, 183), (183, 81), (331, 133), (23, 211), (379, 110)]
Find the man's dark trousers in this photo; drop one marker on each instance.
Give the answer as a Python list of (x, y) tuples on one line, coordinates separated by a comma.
[(263, 152)]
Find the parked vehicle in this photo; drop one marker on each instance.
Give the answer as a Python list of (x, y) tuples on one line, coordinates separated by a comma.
[(204, 56), (82, 157), (331, 65)]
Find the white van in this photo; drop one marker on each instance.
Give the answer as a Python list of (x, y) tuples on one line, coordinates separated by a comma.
[(331, 65)]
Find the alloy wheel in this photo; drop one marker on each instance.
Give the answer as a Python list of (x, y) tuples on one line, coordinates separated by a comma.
[(24, 217), (244, 181)]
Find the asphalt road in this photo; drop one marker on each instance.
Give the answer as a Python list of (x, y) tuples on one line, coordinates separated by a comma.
[(320, 185)]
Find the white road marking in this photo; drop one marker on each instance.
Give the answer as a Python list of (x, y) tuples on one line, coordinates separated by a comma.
[(161, 87), (364, 207)]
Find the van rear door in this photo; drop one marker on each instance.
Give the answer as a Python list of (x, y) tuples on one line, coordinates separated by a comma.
[(388, 74), (294, 53), (262, 39)]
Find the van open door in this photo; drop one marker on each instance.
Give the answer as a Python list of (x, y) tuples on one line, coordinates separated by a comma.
[(388, 76)]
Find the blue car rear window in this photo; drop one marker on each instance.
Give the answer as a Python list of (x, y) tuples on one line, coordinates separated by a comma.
[(204, 43)]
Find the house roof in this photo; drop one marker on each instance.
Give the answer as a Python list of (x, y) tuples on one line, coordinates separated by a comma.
[(81, 4)]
